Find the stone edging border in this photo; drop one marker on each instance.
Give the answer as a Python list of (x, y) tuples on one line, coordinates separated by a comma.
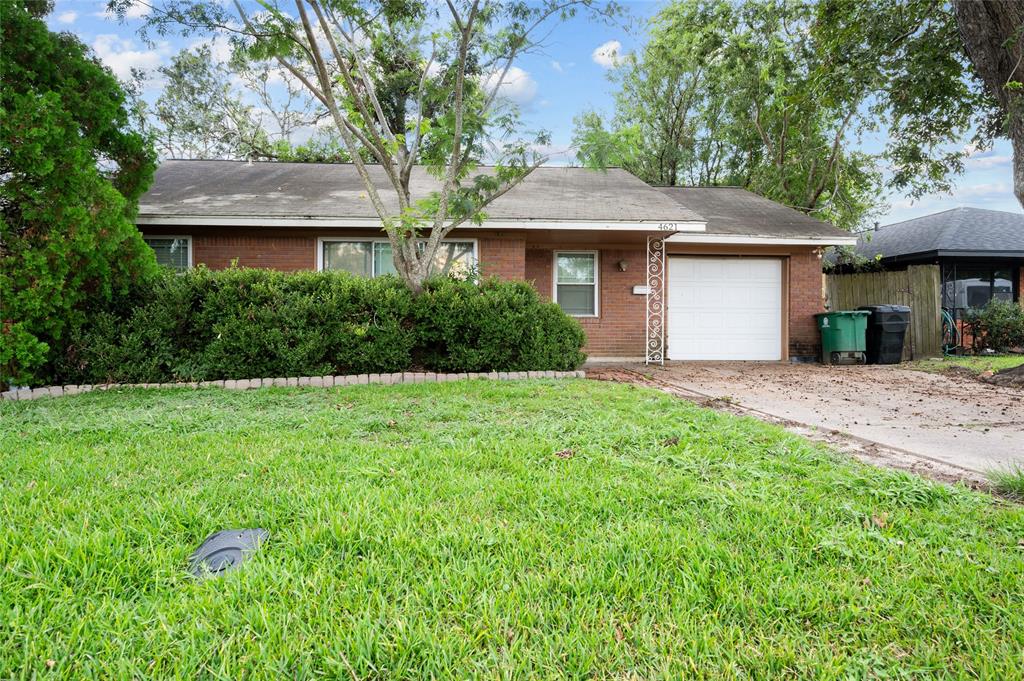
[(310, 381)]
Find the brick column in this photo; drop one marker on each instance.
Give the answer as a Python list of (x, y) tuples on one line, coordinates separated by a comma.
[(805, 301)]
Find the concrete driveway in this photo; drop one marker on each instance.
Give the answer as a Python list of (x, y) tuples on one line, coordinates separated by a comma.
[(943, 418)]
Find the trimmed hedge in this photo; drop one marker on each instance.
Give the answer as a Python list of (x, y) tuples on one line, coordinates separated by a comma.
[(239, 323)]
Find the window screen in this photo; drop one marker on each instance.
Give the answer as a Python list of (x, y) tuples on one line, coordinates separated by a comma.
[(170, 251), (576, 283), (973, 286), (374, 258), (349, 256)]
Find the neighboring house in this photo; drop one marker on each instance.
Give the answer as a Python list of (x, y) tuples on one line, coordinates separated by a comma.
[(743, 278), (980, 253)]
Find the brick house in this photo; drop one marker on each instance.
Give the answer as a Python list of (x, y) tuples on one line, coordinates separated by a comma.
[(656, 273)]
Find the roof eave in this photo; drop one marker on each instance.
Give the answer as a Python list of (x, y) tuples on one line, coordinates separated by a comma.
[(175, 220), (979, 254), (920, 256), (762, 239)]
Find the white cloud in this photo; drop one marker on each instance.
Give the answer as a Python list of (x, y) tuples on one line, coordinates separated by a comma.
[(984, 159), (970, 149), (517, 86), (135, 11), (557, 67), (983, 190), (121, 56), (67, 17), (607, 55), (985, 162), (220, 48)]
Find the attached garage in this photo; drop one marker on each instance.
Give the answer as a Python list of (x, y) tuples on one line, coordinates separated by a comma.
[(728, 308)]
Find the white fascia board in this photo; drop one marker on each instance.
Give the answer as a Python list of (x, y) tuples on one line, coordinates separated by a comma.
[(372, 223), (743, 240)]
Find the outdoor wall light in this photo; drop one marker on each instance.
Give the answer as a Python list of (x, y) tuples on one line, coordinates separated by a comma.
[(623, 265)]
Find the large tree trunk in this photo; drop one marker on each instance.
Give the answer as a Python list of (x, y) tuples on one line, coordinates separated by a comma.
[(993, 34)]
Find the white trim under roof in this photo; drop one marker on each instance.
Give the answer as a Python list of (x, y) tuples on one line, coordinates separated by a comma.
[(743, 240), (374, 223)]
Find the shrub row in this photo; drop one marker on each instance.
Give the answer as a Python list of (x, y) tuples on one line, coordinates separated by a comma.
[(240, 323), (997, 326)]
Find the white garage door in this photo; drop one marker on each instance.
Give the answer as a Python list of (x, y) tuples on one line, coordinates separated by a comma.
[(724, 308)]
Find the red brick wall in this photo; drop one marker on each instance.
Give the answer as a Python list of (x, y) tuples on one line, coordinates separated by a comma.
[(618, 330), (1020, 285), (271, 252), (805, 301), (503, 258)]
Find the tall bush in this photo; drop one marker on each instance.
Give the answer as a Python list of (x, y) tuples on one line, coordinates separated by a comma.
[(71, 171), (242, 323), (467, 327), (997, 326)]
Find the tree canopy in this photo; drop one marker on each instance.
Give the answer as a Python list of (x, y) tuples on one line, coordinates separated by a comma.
[(403, 82), (775, 96), (71, 172), (215, 109)]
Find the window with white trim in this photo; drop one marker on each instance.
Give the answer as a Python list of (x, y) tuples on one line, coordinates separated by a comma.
[(171, 251), (373, 258), (576, 283)]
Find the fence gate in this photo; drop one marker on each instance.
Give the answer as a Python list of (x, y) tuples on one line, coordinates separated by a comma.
[(918, 287)]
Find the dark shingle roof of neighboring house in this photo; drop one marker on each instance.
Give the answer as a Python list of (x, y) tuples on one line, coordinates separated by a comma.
[(321, 190), (955, 232), (732, 210)]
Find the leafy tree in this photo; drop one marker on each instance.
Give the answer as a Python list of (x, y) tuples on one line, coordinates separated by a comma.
[(403, 82), (71, 172), (773, 96), (993, 35), (209, 109)]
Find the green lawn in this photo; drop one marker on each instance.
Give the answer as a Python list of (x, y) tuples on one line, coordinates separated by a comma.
[(431, 531), (976, 364)]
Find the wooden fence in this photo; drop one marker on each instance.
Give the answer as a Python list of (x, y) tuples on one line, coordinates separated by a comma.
[(919, 287)]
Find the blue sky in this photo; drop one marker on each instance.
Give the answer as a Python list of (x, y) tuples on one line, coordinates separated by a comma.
[(569, 76)]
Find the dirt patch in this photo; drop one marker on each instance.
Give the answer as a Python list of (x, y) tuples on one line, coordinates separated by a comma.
[(1008, 378)]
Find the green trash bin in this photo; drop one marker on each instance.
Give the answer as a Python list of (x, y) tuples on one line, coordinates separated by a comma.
[(843, 336)]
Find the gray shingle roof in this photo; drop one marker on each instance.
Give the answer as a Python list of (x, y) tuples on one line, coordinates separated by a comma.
[(236, 188), (959, 230), (732, 210)]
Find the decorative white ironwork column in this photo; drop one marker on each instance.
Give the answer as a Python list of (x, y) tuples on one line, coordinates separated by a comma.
[(655, 332)]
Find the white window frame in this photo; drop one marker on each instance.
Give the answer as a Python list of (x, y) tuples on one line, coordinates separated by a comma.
[(596, 284), (352, 239), (186, 237)]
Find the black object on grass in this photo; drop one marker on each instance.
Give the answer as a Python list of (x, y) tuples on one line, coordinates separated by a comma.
[(224, 551)]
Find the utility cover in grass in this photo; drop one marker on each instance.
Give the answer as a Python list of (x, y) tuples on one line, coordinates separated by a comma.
[(224, 551)]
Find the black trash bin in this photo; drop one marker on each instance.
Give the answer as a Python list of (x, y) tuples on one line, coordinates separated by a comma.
[(887, 326)]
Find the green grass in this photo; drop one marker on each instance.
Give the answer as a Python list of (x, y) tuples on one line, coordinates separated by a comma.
[(1008, 481), (430, 531), (976, 364)]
